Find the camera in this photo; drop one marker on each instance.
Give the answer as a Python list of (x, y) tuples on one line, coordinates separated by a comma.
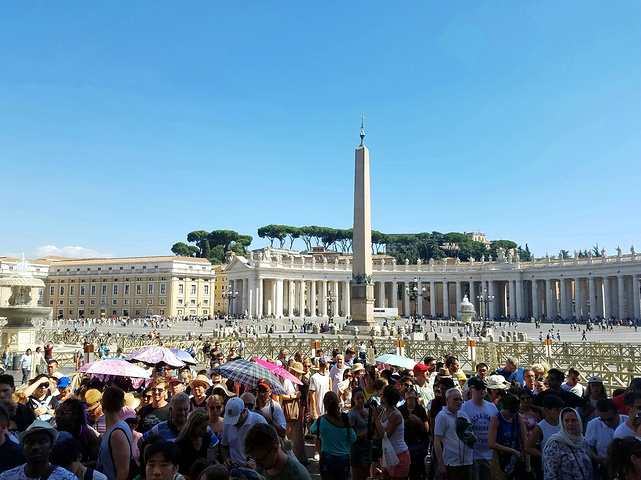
[(372, 402)]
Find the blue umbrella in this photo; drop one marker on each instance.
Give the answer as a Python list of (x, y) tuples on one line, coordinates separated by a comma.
[(249, 374), (184, 356)]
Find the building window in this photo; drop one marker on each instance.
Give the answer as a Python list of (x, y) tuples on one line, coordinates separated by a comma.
[(62, 289), (61, 302), (83, 290), (206, 289), (127, 289), (93, 290), (205, 302), (193, 301), (114, 302), (138, 289), (193, 289), (180, 301), (70, 302), (82, 302), (150, 289), (113, 312), (205, 312), (72, 290), (50, 302), (115, 288), (92, 302), (52, 291), (138, 301), (163, 288), (162, 301), (180, 312), (104, 290), (181, 289), (126, 301), (162, 312)]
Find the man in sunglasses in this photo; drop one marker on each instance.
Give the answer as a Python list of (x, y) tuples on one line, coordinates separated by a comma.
[(600, 430), (158, 409), (632, 402)]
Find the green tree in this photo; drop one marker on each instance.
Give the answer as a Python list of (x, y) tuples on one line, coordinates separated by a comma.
[(200, 238), (293, 233), (566, 253), (595, 251), (181, 249), (525, 255)]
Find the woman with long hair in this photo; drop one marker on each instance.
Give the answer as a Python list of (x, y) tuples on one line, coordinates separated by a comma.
[(624, 458), (531, 417), (193, 440), (594, 392), (566, 455), (215, 407), (361, 450), (390, 421), (370, 387), (345, 390), (291, 404), (416, 432), (336, 436), (507, 436)]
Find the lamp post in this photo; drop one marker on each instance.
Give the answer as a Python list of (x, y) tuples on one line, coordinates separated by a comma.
[(413, 292), (330, 301), (229, 296), (484, 299)]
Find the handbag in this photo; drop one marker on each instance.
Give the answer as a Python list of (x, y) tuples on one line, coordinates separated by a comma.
[(389, 458), (291, 409)]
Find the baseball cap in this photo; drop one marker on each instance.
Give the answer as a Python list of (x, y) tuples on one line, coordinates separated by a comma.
[(420, 367), (175, 379), (233, 409), (595, 379), (322, 359), (264, 383), (476, 383), (64, 382)]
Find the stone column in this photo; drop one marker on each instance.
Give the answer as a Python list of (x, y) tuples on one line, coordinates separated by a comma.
[(280, 294), (473, 299), (301, 297), (459, 297), (406, 299), (491, 306), (446, 300), (607, 297), (335, 305), (250, 298), (577, 298), (535, 299), (380, 298), (520, 312), (420, 299), (548, 298), (635, 297), (564, 302), (312, 298), (292, 297), (433, 297), (512, 297), (621, 295), (394, 296), (347, 299), (259, 297), (323, 298), (591, 298)]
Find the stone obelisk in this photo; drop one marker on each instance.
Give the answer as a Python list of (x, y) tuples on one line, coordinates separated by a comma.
[(362, 286)]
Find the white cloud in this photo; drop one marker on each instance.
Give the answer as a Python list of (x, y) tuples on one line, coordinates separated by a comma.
[(72, 252)]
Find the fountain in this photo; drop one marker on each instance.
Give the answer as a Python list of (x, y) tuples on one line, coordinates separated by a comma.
[(19, 331)]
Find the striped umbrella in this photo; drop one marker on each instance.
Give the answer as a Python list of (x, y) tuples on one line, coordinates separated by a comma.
[(248, 374)]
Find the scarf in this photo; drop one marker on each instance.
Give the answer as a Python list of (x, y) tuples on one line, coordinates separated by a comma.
[(571, 440)]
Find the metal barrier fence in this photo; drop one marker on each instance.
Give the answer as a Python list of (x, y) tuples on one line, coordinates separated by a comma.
[(615, 363)]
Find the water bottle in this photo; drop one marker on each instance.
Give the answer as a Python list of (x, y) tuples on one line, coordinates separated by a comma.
[(510, 466)]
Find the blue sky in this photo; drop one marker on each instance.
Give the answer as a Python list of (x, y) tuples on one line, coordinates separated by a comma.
[(124, 126)]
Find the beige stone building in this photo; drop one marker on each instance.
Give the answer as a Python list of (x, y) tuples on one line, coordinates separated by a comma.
[(130, 287), (220, 288)]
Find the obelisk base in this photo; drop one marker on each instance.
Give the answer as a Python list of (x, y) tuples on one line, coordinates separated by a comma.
[(362, 307)]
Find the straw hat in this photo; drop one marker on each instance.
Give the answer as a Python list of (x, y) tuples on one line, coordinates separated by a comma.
[(297, 367), (92, 399), (358, 367), (201, 379), (131, 400)]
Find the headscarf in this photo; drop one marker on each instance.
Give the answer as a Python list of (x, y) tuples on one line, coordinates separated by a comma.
[(572, 440)]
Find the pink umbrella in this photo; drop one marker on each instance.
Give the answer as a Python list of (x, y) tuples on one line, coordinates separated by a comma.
[(278, 370), (154, 356), (106, 369)]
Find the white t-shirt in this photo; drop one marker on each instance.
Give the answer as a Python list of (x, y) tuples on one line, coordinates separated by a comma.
[(455, 452), (319, 386), (480, 418), (623, 431), (599, 435), (577, 389), (336, 374), (17, 473)]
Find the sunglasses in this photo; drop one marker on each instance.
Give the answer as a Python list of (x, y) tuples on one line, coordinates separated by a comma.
[(217, 407), (408, 384), (159, 390), (44, 385), (249, 406)]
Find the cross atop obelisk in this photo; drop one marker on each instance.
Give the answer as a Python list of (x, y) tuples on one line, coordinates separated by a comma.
[(362, 286)]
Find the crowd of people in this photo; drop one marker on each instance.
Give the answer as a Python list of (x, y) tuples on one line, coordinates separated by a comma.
[(366, 420)]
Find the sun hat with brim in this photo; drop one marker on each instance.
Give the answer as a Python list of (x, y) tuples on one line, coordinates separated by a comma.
[(223, 387), (127, 412), (200, 379), (36, 427), (233, 409), (131, 400), (297, 367), (358, 367), (595, 379), (496, 382), (92, 399)]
